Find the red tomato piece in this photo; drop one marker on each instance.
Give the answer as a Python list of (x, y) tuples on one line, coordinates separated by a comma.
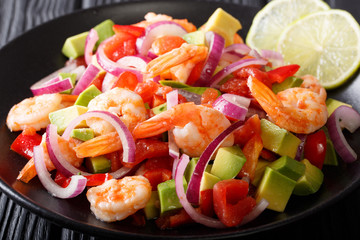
[(97, 179), (166, 43), (315, 148), (134, 30), (207, 203), (209, 96), (236, 86), (61, 180), (231, 202), (195, 73), (126, 80), (159, 162), (146, 90), (281, 73), (244, 133), (98, 80), (25, 142), (121, 45), (157, 175)]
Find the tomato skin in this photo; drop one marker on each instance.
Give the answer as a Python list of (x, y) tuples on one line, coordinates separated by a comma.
[(207, 202), (244, 133), (252, 151), (126, 80), (209, 96), (134, 30), (281, 73), (25, 142), (315, 148), (157, 175), (92, 180), (236, 86), (121, 45), (231, 202)]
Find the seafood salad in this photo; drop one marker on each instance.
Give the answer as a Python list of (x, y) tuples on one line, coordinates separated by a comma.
[(167, 122)]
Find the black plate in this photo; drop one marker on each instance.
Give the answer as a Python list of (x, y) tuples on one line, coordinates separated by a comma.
[(37, 53)]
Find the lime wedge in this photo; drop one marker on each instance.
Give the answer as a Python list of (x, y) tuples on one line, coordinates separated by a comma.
[(325, 44), (269, 23)]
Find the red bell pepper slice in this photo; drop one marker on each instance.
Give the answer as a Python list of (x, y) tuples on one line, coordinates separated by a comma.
[(281, 73), (315, 148), (25, 142), (231, 202), (92, 180), (120, 45), (244, 133), (134, 30)]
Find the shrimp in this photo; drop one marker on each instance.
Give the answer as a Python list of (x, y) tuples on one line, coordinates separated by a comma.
[(115, 199), (33, 112), (125, 103), (66, 148), (195, 126), (178, 62), (299, 110)]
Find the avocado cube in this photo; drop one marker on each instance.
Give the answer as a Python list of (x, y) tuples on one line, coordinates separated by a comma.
[(159, 109), (82, 134), (228, 162), (278, 140), (276, 188), (289, 82), (223, 24), (289, 167), (98, 164), (168, 197), (191, 167), (259, 171), (104, 30), (196, 38), (86, 95), (74, 46), (61, 118), (208, 181), (72, 77), (311, 181), (152, 208), (333, 104), (330, 157)]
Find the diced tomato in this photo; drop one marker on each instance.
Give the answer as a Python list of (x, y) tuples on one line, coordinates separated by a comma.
[(157, 175), (148, 148), (25, 142), (126, 80), (115, 160), (157, 100), (281, 73), (195, 73), (255, 72), (97, 179), (173, 219), (61, 180), (315, 148), (159, 162), (251, 150), (146, 90), (120, 45), (231, 202), (134, 30), (244, 133), (207, 203), (98, 80), (236, 86), (166, 43), (209, 96)]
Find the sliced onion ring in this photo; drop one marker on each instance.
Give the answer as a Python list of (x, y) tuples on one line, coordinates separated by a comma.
[(90, 43), (196, 216), (343, 117), (156, 30), (216, 79), (216, 45), (232, 106), (76, 186), (193, 191), (255, 212), (274, 57), (90, 73), (240, 48), (54, 85)]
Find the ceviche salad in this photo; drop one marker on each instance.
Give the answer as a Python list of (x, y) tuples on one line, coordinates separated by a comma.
[(165, 121)]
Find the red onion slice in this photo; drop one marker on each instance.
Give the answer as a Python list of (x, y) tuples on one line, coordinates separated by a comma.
[(274, 57), (343, 117), (54, 85), (90, 43), (193, 191), (76, 186), (125, 135), (137, 62), (156, 30), (216, 79), (240, 48), (232, 106), (257, 210), (85, 80), (196, 216), (216, 45)]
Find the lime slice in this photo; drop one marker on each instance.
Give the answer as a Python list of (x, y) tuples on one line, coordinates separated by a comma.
[(269, 23), (325, 44)]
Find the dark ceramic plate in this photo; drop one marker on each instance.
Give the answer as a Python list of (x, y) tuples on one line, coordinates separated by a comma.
[(38, 53)]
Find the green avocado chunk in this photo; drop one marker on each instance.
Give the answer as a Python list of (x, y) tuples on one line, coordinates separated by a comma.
[(152, 208), (72, 77), (289, 167), (278, 140), (276, 188), (74, 46), (159, 109), (82, 134), (98, 164), (168, 197), (208, 181), (310, 182), (228, 162), (333, 104), (191, 167), (196, 38), (259, 171), (61, 118), (289, 82), (86, 95)]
